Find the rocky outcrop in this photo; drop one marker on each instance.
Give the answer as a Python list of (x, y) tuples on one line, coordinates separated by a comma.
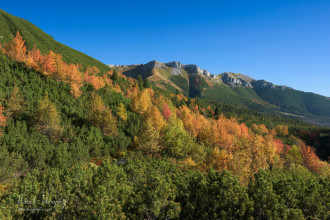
[(174, 64), (153, 64), (260, 84), (191, 68), (236, 79)]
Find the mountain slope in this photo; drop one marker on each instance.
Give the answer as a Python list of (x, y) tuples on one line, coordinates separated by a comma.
[(195, 82), (10, 24), (231, 88)]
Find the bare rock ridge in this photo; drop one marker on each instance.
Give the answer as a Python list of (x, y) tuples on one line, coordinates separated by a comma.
[(234, 79), (228, 78), (191, 68), (259, 84)]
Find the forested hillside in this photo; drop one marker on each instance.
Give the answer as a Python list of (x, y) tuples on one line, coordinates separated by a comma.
[(84, 143), (34, 36)]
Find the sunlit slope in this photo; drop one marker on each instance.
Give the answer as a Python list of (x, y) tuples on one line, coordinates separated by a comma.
[(10, 24)]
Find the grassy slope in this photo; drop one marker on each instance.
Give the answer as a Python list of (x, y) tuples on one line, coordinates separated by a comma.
[(297, 102), (10, 24)]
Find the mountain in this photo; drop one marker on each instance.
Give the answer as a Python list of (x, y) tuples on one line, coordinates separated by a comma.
[(231, 88), (33, 35)]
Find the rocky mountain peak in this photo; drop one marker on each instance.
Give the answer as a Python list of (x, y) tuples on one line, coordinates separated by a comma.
[(236, 79), (174, 64)]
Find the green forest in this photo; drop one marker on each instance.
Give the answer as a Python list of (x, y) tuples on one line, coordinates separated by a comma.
[(78, 142)]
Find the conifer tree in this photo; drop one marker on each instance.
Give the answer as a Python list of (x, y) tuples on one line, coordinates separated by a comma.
[(140, 82)]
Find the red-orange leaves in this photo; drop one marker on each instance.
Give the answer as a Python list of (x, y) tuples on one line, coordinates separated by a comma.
[(311, 161), (92, 78), (166, 111), (279, 146)]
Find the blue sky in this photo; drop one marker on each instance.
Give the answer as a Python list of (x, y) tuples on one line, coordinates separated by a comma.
[(286, 42)]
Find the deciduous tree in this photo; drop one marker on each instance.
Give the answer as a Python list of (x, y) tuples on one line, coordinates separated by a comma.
[(46, 117), (15, 103), (16, 49)]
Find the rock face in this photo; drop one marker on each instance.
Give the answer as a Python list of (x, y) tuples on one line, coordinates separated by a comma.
[(174, 64), (153, 64), (191, 68), (260, 84), (236, 79)]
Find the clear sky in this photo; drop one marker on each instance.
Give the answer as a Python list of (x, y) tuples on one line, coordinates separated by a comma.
[(286, 42)]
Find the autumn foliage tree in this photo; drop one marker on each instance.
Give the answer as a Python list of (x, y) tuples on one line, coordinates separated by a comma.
[(141, 101), (15, 103), (149, 138), (311, 161), (46, 118), (101, 116), (122, 112), (282, 130), (166, 111), (52, 65), (16, 49)]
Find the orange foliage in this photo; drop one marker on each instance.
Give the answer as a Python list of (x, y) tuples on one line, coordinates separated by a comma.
[(52, 65), (279, 146), (244, 130), (96, 81), (190, 122), (16, 49), (311, 161), (92, 70), (195, 109)]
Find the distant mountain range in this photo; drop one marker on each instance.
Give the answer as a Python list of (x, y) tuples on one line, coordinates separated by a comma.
[(232, 88)]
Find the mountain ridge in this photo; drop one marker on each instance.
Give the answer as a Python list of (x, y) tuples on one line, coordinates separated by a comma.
[(230, 88), (229, 78)]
